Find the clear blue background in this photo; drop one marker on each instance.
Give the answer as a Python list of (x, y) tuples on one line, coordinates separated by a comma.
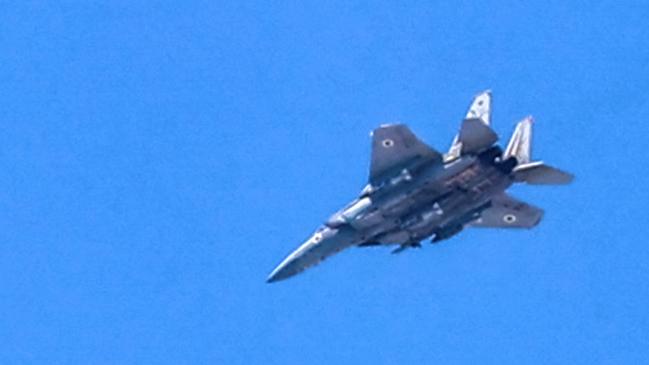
[(158, 160)]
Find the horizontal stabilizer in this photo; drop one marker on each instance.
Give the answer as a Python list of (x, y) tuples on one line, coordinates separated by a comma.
[(538, 173), (507, 212)]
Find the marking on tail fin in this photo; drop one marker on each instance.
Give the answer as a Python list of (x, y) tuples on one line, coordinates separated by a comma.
[(480, 109)]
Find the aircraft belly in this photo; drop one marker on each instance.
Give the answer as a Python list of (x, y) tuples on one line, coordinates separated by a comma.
[(446, 212), (399, 236), (395, 206), (368, 220)]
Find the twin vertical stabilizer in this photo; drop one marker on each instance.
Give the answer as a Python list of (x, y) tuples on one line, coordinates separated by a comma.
[(475, 132), (480, 108), (476, 135), (520, 145), (528, 171)]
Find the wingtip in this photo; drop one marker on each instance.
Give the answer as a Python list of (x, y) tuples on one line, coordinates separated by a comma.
[(383, 126), (570, 177)]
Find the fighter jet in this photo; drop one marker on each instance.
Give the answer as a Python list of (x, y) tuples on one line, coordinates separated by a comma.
[(415, 192)]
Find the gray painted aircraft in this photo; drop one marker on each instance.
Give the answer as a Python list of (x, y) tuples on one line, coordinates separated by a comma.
[(415, 192)]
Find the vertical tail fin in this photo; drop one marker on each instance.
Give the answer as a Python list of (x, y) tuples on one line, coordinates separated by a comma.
[(480, 110), (520, 145), (528, 171)]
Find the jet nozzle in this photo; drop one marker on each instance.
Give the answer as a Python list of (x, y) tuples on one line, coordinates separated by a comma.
[(508, 165)]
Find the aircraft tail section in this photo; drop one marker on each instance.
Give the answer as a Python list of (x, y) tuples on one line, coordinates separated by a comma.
[(476, 136), (520, 145), (528, 171), (538, 173), (480, 112), (480, 108)]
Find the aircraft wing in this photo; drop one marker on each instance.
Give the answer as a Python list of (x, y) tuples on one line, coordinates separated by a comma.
[(507, 212), (395, 147)]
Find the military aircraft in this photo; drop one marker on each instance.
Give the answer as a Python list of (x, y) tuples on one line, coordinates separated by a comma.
[(415, 192)]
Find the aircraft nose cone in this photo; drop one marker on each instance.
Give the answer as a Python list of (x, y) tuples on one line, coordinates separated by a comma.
[(281, 272), (271, 279), (274, 276), (325, 242), (292, 264)]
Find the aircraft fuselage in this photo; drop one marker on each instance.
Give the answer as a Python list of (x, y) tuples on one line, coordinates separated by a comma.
[(416, 192), (422, 202), (432, 201)]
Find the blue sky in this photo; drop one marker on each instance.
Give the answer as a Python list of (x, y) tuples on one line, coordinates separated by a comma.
[(159, 159)]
